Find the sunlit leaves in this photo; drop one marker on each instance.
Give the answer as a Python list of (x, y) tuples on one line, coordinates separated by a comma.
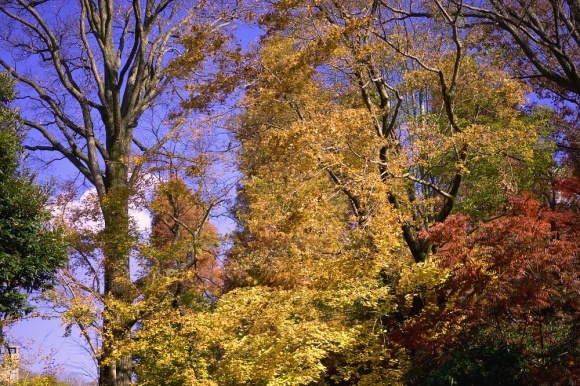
[(513, 280)]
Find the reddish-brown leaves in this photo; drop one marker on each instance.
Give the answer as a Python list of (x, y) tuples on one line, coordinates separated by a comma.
[(515, 277)]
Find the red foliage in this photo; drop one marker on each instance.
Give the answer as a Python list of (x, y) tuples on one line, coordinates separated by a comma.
[(520, 271), (569, 188)]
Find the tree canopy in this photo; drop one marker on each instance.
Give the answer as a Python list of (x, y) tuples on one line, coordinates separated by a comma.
[(406, 178)]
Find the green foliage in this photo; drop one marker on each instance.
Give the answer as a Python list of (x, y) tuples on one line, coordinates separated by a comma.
[(6, 91), (507, 163), (481, 363), (30, 252)]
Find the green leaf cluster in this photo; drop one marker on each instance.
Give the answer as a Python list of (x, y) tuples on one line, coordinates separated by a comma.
[(30, 251)]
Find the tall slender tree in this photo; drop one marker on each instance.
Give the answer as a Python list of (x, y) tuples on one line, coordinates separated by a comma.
[(87, 72)]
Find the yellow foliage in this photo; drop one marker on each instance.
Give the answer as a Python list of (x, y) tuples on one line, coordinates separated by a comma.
[(333, 198)]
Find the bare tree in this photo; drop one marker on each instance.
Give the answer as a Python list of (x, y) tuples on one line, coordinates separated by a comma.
[(548, 34), (546, 31), (88, 71)]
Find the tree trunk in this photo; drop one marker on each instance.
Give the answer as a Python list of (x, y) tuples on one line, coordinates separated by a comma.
[(116, 370)]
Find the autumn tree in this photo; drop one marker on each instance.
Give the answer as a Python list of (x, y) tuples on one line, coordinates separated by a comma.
[(180, 279), (511, 289), (427, 104), (304, 256), (185, 238), (360, 129), (540, 41), (98, 67), (384, 117)]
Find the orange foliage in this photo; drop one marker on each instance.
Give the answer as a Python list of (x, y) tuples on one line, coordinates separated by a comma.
[(180, 229)]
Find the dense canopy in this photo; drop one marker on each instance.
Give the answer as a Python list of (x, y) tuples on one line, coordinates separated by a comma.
[(371, 193)]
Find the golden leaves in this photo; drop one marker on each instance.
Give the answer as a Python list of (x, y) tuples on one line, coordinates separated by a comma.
[(284, 337)]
